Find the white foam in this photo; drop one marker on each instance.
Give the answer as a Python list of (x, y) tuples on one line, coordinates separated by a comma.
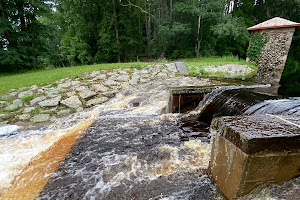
[(8, 129)]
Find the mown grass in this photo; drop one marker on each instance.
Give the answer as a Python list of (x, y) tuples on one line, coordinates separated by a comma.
[(43, 77), (217, 61)]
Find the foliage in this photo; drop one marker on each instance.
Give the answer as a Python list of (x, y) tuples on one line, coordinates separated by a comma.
[(256, 43)]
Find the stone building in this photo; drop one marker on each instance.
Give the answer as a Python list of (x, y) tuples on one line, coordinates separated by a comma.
[(279, 33)]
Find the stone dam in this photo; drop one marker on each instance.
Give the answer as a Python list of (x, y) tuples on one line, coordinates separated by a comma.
[(169, 137)]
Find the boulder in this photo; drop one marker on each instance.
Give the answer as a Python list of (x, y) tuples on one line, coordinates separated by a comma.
[(40, 118), (16, 104), (25, 94), (37, 100), (28, 109), (72, 102), (123, 78), (85, 94), (50, 102)]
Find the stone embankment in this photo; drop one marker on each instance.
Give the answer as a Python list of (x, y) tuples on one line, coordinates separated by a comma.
[(37, 104)]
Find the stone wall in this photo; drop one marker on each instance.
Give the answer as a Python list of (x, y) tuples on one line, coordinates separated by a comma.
[(274, 54)]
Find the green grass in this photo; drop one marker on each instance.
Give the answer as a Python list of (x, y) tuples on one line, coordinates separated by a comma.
[(217, 61), (28, 98), (43, 77)]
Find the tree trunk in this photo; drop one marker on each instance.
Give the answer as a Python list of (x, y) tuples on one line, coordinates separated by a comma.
[(198, 37), (116, 28)]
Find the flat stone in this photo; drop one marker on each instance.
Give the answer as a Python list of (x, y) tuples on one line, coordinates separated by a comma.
[(134, 79), (96, 101), (3, 103), (110, 94), (64, 85), (34, 87), (85, 94), (94, 74), (80, 109), (123, 78), (16, 104), (37, 100), (24, 116), (171, 67), (181, 67), (99, 88), (162, 74), (64, 112), (69, 94), (110, 83), (256, 133), (113, 77), (40, 118), (73, 83), (4, 116), (50, 102), (28, 109), (72, 102), (81, 88), (25, 94), (101, 77)]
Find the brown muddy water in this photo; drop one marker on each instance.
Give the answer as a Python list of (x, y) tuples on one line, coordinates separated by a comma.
[(132, 150)]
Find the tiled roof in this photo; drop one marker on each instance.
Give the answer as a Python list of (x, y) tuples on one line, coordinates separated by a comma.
[(276, 22)]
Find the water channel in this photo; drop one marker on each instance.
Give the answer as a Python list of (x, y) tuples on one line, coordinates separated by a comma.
[(132, 148)]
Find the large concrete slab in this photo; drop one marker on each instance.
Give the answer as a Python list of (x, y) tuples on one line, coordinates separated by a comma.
[(181, 67), (248, 151)]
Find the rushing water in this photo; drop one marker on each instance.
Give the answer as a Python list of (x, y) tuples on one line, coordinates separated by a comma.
[(131, 151)]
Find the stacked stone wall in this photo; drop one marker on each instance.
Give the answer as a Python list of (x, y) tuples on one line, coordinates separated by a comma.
[(274, 54)]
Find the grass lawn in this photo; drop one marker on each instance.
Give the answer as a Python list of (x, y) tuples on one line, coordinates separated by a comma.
[(43, 77)]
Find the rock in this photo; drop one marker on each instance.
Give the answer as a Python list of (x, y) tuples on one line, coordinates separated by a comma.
[(25, 94), (22, 89), (73, 83), (110, 94), (16, 104), (28, 109), (4, 116), (40, 118), (101, 76), (171, 67), (37, 100), (85, 94), (114, 77), (96, 101), (144, 71), (50, 102), (93, 74), (3, 103), (73, 93), (123, 72), (110, 83), (134, 79), (72, 102), (24, 117), (34, 87), (162, 74), (64, 85), (81, 88), (80, 109), (99, 88), (12, 90), (64, 112), (123, 78)]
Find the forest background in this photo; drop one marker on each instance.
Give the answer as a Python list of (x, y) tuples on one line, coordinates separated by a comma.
[(37, 34)]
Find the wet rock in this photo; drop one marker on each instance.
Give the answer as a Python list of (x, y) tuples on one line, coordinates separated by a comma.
[(37, 100), (16, 104), (4, 116), (123, 78), (40, 118), (50, 102), (81, 88), (64, 112), (34, 87), (110, 83), (25, 94), (24, 116), (99, 88), (96, 101), (85, 94), (28, 109), (72, 102)]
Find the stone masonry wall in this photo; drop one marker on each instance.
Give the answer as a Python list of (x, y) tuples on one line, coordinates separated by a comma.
[(274, 54)]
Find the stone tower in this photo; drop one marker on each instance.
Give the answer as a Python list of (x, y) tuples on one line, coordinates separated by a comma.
[(279, 33)]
